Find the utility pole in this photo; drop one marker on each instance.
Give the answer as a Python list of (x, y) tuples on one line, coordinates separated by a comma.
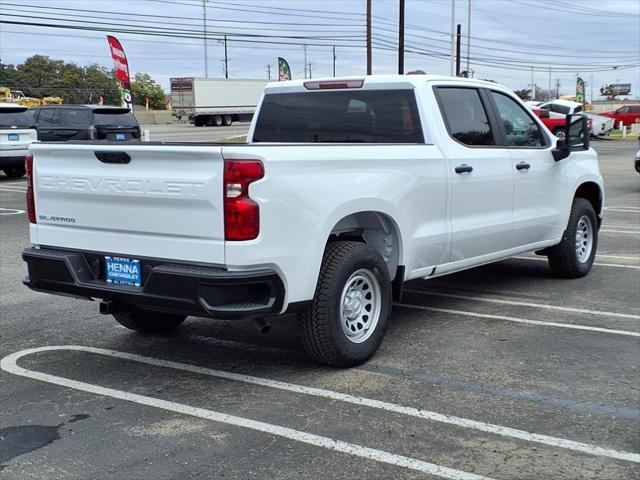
[(369, 69), (401, 39), (549, 96), (453, 37), (204, 25), (268, 72), (310, 76), (533, 86), (334, 61), (591, 88), (557, 88), (468, 33), (305, 61), (226, 59), (458, 39)]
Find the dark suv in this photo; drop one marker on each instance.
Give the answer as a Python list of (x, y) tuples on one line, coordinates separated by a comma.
[(85, 122)]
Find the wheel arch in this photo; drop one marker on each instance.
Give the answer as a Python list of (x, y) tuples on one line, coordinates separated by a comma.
[(375, 228), (592, 192)]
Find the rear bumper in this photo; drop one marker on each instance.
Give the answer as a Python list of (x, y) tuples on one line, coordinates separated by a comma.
[(167, 286)]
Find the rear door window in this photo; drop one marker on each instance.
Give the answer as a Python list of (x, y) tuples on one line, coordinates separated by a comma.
[(465, 115), (47, 118), (347, 116), (74, 117)]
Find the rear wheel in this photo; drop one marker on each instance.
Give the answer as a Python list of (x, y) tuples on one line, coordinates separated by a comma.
[(145, 321), (14, 172), (228, 120), (217, 121), (574, 255), (350, 311)]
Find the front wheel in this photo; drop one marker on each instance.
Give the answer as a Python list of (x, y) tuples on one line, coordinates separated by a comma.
[(145, 321), (574, 255), (349, 314), (560, 133)]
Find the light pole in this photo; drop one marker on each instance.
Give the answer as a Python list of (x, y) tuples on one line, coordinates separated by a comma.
[(468, 33), (453, 37), (204, 25)]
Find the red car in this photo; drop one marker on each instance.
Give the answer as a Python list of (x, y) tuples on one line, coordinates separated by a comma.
[(555, 123), (628, 115)]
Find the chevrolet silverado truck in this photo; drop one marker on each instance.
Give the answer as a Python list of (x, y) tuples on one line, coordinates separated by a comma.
[(344, 190)]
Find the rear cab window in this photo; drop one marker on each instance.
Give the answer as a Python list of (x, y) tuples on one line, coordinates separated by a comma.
[(345, 116)]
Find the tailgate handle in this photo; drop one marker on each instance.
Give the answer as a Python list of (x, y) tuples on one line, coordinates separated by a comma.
[(113, 157)]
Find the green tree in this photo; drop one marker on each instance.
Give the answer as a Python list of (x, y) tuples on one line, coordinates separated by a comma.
[(145, 86), (8, 76), (86, 84), (37, 76)]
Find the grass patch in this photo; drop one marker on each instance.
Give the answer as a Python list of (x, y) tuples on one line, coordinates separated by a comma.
[(240, 139)]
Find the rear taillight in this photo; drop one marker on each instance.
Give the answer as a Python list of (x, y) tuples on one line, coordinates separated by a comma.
[(241, 213), (31, 204)]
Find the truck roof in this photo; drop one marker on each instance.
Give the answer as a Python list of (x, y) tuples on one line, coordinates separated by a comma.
[(377, 81)]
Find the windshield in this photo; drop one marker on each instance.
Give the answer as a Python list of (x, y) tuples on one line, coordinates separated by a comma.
[(116, 118), (370, 116), (19, 118)]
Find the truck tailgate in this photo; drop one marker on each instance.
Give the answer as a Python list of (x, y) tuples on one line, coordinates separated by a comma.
[(160, 202)]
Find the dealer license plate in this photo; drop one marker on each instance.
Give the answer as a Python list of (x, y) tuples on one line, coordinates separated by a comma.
[(123, 271), (14, 137)]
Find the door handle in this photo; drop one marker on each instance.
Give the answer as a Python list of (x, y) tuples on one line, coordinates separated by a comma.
[(113, 157), (523, 166), (464, 168)]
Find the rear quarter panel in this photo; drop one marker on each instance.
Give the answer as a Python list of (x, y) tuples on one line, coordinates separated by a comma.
[(308, 189)]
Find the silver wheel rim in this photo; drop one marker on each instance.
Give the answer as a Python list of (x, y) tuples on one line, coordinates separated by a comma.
[(584, 239), (360, 305)]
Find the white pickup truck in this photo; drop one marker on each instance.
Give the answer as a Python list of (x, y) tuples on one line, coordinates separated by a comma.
[(344, 190)]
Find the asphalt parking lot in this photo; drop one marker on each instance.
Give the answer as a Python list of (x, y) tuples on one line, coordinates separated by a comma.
[(500, 372)]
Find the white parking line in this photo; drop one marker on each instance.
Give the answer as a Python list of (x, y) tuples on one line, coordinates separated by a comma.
[(598, 264), (521, 320), (628, 227), (10, 211), (624, 257), (13, 190), (627, 232), (623, 209), (526, 304), (9, 364)]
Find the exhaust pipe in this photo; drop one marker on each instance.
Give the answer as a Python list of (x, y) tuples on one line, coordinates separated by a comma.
[(264, 326)]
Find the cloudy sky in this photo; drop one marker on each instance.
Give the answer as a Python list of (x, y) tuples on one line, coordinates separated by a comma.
[(599, 39)]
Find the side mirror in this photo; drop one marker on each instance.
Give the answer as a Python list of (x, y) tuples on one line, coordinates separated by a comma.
[(577, 134)]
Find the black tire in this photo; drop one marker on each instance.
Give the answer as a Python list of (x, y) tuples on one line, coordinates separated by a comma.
[(321, 331), (145, 321), (563, 258), (15, 172), (228, 120), (559, 132), (217, 121)]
